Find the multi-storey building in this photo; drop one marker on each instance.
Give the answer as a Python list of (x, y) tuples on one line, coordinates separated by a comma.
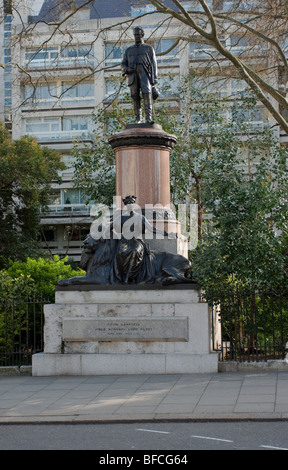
[(66, 72)]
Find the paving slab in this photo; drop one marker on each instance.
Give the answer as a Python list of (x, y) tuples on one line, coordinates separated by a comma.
[(125, 398)]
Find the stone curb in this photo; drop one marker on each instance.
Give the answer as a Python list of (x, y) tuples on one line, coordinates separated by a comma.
[(227, 366), (148, 418), (271, 365)]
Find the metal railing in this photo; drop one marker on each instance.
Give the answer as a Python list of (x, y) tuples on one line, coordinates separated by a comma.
[(254, 325), (60, 208), (21, 330)]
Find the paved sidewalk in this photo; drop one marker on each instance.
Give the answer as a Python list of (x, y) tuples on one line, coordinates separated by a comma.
[(222, 396)]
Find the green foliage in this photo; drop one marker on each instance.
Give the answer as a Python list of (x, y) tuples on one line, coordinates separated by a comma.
[(246, 244), (24, 286), (38, 276), (95, 172), (11, 287), (26, 172)]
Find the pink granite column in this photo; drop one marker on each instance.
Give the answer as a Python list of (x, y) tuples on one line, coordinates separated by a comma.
[(142, 163)]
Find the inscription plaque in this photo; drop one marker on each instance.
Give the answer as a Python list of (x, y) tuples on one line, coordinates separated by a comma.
[(125, 329)]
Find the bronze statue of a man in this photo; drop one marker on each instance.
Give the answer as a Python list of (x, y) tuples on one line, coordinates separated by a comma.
[(140, 66)]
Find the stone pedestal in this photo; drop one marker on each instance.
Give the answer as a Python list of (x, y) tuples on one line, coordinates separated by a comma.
[(143, 169), (117, 330)]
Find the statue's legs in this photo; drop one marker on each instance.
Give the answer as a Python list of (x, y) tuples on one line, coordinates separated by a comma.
[(148, 107), (137, 107)]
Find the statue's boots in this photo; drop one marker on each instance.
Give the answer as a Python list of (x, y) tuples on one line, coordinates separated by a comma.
[(137, 110), (148, 107)]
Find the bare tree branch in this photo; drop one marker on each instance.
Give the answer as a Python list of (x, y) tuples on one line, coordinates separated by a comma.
[(256, 82)]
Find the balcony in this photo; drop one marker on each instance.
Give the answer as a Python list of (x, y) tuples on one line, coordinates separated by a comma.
[(62, 135), (51, 57), (68, 208), (63, 213)]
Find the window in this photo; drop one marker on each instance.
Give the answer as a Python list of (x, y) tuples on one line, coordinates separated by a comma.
[(8, 22), (7, 62), (112, 89), (50, 94), (284, 44), (237, 43), (38, 126), (242, 5), (81, 53), (255, 118), (114, 52), (76, 232), (71, 196), (220, 86), (7, 55), (238, 87), (82, 93), (198, 50), (49, 234), (54, 197), (8, 7), (57, 56), (76, 123), (202, 123), (214, 85), (36, 57), (41, 95), (163, 46), (58, 128), (168, 85)]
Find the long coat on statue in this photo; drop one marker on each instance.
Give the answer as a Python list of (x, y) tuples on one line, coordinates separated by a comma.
[(139, 63)]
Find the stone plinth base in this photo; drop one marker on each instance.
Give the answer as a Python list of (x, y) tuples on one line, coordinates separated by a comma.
[(120, 364), (117, 330)]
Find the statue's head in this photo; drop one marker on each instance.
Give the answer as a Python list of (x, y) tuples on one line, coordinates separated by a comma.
[(129, 200), (138, 34)]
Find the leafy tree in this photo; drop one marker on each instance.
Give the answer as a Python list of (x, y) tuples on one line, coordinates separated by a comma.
[(26, 172), (95, 172), (246, 244), (202, 130)]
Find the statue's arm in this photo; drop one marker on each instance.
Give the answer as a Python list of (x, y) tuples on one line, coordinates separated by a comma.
[(126, 68)]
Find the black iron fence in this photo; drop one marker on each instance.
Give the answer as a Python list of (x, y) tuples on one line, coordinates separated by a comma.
[(254, 325), (21, 330), (246, 326)]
